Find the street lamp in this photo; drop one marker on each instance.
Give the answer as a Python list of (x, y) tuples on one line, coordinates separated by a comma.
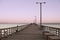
[(40, 11)]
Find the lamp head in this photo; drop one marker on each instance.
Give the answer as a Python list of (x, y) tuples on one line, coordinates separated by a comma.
[(44, 2), (37, 2), (40, 2)]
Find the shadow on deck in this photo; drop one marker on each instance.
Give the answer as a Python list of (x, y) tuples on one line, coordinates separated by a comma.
[(32, 32)]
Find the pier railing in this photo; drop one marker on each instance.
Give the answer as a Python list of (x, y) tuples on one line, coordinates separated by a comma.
[(4, 32), (53, 30)]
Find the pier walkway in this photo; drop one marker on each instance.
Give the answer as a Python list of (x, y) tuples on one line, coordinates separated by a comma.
[(32, 32)]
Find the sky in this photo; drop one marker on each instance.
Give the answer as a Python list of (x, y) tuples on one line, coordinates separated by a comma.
[(24, 11)]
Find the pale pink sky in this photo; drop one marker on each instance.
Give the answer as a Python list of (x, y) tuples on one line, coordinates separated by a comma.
[(23, 11)]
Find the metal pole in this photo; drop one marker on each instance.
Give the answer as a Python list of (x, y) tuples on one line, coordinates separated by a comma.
[(40, 14), (35, 19)]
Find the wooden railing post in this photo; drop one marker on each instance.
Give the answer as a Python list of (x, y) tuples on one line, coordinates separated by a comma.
[(17, 29), (9, 31), (0, 34), (4, 33), (57, 32)]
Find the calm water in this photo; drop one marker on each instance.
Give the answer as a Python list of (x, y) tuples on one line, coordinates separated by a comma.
[(56, 25), (9, 25)]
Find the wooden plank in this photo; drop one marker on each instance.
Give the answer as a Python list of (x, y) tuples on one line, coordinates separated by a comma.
[(53, 38)]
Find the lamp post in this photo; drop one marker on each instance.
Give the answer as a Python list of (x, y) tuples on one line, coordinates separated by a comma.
[(40, 11), (35, 20)]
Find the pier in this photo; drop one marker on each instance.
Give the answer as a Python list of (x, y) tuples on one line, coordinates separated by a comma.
[(30, 32)]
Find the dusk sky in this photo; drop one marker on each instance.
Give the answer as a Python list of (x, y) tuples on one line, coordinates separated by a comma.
[(23, 11)]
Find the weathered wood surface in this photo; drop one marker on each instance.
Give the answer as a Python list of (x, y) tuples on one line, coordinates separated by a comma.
[(32, 32)]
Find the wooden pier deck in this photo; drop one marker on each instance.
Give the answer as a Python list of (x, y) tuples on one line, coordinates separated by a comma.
[(32, 32)]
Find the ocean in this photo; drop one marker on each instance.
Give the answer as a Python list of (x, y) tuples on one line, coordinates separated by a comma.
[(56, 25), (9, 25)]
